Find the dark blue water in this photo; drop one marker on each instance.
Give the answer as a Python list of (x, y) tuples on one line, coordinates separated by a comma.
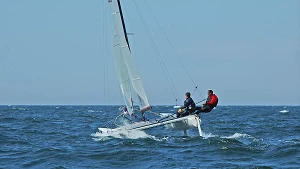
[(234, 137)]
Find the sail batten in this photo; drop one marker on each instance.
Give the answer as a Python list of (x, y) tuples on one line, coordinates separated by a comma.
[(123, 51)]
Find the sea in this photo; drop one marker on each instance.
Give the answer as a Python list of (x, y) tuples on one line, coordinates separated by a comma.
[(58, 136)]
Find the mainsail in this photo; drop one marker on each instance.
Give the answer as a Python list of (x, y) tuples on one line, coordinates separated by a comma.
[(126, 69), (122, 73)]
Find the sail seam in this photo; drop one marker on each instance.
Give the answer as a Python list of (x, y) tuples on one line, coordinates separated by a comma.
[(124, 81)]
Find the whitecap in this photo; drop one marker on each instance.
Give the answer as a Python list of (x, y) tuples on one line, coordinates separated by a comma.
[(284, 111), (209, 135), (236, 135), (122, 133)]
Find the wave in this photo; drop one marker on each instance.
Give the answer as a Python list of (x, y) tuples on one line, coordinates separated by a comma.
[(236, 135), (107, 133), (209, 135), (284, 111), (19, 108)]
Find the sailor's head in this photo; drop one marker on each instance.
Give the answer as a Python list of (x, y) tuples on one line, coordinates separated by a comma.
[(187, 95), (210, 92)]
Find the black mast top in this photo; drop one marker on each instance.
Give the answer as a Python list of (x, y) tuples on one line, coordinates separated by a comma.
[(123, 23)]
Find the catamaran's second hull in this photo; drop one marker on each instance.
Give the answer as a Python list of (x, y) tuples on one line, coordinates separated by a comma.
[(185, 123)]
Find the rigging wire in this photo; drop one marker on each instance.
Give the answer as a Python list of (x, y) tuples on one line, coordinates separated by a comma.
[(105, 63), (167, 75), (133, 52), (196, 87), (121, 99), (115, 121), (103, 48), (157, 114)]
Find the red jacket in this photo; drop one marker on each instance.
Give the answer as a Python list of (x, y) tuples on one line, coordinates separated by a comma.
[(212, 100)]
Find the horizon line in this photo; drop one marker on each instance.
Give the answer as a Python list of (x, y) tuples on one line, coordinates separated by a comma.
[(137, 105)]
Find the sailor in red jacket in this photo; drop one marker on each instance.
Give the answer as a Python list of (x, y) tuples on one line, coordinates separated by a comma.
[(211, 102)]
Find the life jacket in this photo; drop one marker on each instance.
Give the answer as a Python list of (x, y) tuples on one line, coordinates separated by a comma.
[(212, 101)]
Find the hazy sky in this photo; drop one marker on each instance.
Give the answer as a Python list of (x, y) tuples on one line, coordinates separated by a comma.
[(60, 51)]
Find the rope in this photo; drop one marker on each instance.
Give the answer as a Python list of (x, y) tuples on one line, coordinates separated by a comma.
[(158, 121), (163, 66), (158, 114), (200, 101), (173, 48), (110, 121), (115, 121)]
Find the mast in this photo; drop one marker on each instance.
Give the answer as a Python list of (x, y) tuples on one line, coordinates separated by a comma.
[(123, 23)]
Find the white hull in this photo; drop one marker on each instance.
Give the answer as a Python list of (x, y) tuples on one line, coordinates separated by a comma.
[(183, 123)]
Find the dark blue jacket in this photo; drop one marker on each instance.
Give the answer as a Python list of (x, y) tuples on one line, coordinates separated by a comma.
[(189, 102)]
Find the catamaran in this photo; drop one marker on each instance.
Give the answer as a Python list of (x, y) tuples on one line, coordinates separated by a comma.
[(129, 79)]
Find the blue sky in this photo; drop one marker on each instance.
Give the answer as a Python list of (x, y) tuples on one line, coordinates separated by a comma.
[(60, 52)]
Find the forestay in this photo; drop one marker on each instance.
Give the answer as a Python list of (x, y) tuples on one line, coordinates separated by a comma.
[(126, 69)]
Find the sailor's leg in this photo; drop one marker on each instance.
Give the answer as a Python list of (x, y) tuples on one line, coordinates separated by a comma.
[(203, 110), (186, 113), (198, 110), (206, 110)]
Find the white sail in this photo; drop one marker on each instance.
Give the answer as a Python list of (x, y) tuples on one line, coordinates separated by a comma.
[(127, 57), (122, 74)]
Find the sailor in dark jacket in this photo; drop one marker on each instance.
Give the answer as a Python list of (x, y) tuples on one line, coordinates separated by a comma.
[(188, 106)]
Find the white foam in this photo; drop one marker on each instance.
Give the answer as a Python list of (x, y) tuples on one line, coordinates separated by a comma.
[(206, 136), (284, 111), (236, 135), (107, 133), (291, 141)]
